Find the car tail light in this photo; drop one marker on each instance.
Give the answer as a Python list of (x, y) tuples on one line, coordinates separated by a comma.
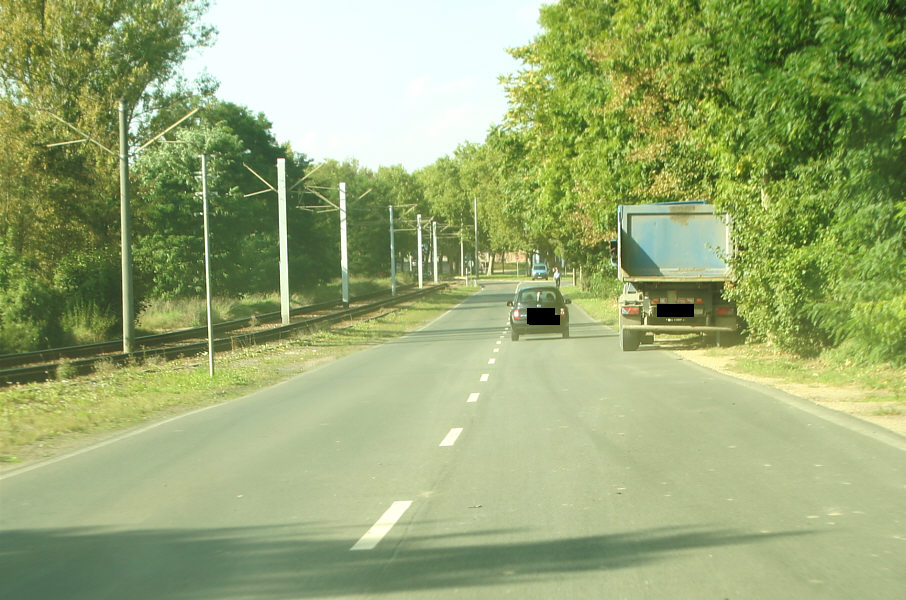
[(562, 311), (515, 313), (629, 310), (725, 311)]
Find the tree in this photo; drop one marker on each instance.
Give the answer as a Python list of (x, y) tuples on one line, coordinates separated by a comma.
[(74, 60)]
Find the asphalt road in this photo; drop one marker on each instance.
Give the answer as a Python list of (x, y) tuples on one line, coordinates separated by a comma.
[(573, 471)]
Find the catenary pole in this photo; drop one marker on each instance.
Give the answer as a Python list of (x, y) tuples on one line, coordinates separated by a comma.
[(207, 263), (418, 227), (344, 258), (434, 244), (284, 252), (462, 259), (392, 256), (126, 236), (477, 262)]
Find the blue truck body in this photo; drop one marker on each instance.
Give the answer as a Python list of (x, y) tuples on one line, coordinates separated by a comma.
[(672, 259)]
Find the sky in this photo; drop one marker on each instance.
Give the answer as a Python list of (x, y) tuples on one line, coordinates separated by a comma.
[(392, 82)]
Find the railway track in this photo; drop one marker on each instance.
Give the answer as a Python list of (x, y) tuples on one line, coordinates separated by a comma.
[(42, 365)]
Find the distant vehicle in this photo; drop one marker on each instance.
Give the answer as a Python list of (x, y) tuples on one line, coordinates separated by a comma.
[(540, 271), (538, 309), (672, 260)]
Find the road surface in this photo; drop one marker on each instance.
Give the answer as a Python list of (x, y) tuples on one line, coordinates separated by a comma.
[(453, 462)]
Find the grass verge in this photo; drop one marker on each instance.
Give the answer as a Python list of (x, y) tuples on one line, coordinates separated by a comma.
[(603, 310), (168, 315), (42, 419)]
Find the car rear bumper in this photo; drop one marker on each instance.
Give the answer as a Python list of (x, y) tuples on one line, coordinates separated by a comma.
[(523, 328)]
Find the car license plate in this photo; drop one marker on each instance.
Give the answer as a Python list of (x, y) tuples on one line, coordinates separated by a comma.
[(542, 316)]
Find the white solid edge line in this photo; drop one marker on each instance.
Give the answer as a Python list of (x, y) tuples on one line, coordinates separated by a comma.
[(107, 442), (451, 437), (473, 397), (383, 525), (484, 377)]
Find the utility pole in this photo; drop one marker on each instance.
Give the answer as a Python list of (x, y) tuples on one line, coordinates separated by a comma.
[(126, 236), (392, 256), (418, 227), (477, 262), (207, 264), (284, 252), (282, 227), (344, 258), (434, 239), (128, 296)]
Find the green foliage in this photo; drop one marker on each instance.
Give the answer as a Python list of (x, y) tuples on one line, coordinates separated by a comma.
[(789, 115), (59, 206), (600, 281), (29, 308)]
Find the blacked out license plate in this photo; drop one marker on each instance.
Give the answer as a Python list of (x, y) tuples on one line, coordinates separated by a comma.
[(542, 316), (675, 310)]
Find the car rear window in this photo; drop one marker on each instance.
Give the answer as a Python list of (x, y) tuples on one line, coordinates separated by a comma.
[(535, 296)]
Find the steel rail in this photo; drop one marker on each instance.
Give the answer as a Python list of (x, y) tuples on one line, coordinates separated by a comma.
[(9, 361), (82, 366)]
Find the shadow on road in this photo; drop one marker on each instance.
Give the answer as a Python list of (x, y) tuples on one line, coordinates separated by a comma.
[(295, 561)]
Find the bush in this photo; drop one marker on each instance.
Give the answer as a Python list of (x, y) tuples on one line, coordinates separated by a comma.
[(30, 309), (87, 323), (92, 288), (601, 280)]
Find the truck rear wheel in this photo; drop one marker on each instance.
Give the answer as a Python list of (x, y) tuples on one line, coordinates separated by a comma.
[(629, 340)]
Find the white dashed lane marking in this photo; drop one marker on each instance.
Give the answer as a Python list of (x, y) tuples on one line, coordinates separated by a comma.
[(473, 397), (484, 377), (451, 437), (383, 525)]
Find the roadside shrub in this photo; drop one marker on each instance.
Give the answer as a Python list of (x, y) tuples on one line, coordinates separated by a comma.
[(878, 331), (601, 280), (91, 286), (29, 308), (86, 323)]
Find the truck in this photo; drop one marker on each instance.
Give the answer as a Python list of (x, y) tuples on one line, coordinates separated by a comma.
[(672, 259)]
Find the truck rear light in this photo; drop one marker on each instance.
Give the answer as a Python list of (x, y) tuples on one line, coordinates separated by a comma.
[(699, 301), (725, 311), (655, 300), (629, 310)]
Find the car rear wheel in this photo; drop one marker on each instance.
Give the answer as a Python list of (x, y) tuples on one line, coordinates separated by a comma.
[(513, 335), (565, 332)]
